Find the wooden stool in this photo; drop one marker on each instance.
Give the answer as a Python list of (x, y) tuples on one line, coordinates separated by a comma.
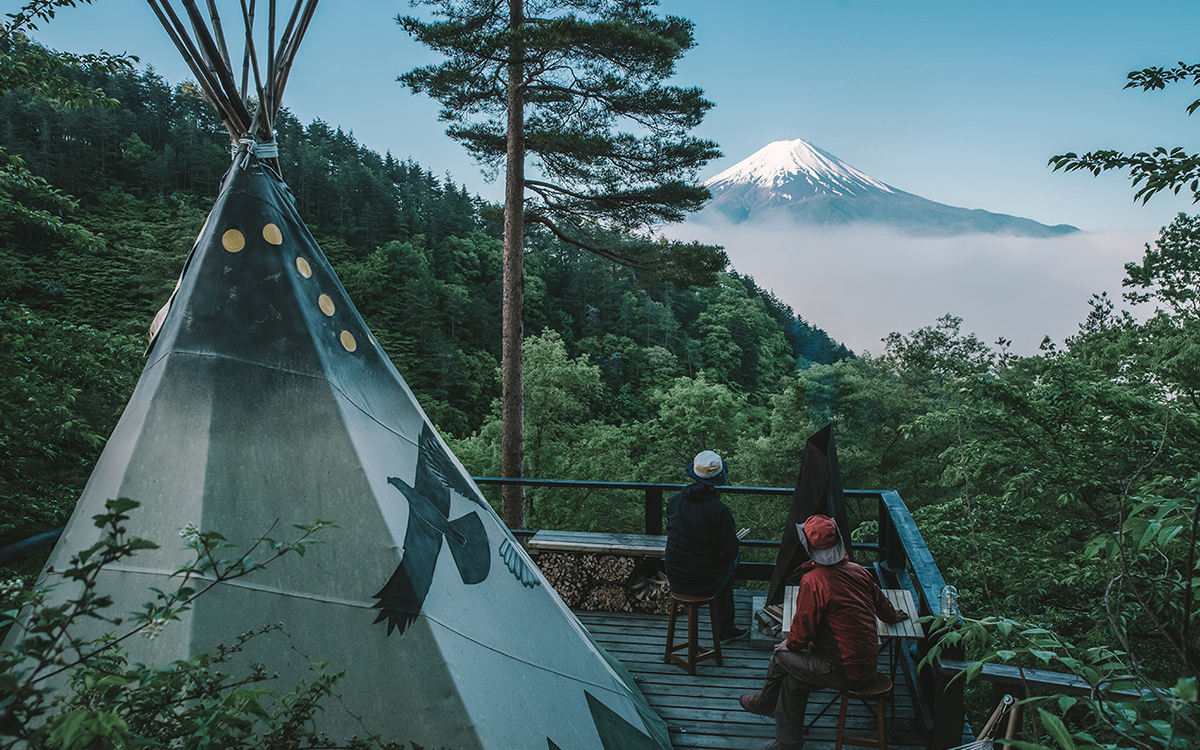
[(692, 644), (877, 691)]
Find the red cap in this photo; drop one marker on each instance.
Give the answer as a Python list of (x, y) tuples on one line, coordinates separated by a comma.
[(821, 532)]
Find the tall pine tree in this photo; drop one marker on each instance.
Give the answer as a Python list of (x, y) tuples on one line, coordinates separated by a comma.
[(577, 87)]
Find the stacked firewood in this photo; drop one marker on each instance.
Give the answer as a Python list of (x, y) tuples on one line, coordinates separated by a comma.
[(590, 581), (607, 597), (652, 595), (564, 573), (769, 620), (614, 568)]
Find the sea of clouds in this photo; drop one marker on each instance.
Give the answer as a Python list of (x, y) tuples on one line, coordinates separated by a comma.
[(860, 284)]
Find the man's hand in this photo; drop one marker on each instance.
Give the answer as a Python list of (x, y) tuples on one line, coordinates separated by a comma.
[(781, 646), (901, 616)]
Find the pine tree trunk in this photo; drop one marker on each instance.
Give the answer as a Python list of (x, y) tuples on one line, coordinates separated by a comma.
[(512, 415)]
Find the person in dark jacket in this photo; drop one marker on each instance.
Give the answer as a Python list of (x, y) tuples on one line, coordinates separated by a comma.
[(702, 544), (833, 641)]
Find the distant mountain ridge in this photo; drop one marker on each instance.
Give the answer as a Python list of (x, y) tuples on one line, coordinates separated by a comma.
[(812, 186)]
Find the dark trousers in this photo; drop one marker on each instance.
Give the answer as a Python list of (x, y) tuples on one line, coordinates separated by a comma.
[(791, 676), (722, 589)]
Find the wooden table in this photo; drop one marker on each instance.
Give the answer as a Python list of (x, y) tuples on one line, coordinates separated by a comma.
[(630, 545), (900, 599)]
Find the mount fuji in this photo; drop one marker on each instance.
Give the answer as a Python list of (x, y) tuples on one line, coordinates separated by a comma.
[(812, 186)]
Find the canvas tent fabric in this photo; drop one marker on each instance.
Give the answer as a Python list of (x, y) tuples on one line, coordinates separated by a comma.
[(818, 491), (265, 401)]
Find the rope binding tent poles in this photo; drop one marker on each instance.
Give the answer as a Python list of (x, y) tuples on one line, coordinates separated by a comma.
[(202, 43)]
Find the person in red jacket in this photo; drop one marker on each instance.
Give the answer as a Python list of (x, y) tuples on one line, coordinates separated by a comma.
[(832, 643)]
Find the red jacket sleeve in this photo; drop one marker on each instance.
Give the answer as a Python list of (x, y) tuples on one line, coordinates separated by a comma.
[(810, 603)]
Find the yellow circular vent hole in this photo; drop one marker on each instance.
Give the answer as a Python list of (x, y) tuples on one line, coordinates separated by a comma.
[(272, 234), (326, 304), (303, 267), (233, 240), (348, 341)]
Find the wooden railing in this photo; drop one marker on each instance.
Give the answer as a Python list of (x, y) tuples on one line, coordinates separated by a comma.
[(899, 557)]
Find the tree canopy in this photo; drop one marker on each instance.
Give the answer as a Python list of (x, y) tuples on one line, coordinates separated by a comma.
[(27, 199), (588, 68)]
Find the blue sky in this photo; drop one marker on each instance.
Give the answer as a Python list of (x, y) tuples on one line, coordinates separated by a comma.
[(960, 102)]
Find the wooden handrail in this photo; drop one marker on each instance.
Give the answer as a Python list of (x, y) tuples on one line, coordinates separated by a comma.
[(1064, 683), (900, 543)]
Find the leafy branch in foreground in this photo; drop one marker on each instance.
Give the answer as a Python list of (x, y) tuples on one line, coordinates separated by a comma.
[(1155, 171), (1153, 591), (188, 703), (1118, 707)]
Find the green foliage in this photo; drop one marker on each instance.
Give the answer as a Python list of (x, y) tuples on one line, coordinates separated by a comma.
[(1170, 271), (63, 388), (566, 440), (33, 68), (1121, 708), (1082, 465), (1168, 344), (60, 690), (559, 393), (1162, 169), (690, 416), (738, 341), (27, 200)]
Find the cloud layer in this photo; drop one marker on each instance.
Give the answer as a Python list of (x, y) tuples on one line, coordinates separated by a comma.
[(860, 284)]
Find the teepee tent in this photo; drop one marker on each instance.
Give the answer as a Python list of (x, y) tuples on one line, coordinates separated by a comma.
[(265, 400)]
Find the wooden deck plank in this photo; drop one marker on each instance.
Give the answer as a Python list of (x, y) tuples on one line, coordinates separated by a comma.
[(702, 711)]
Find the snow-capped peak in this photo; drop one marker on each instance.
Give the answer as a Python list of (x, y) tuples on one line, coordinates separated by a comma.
[(782, 162), (798, 180)]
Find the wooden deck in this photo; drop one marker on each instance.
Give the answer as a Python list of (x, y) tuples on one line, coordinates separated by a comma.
[(703, 711)]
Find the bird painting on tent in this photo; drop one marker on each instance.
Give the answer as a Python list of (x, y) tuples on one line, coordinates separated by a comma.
[(401, 598)]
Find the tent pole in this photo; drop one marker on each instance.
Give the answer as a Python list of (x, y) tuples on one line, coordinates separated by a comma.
[(220, 70), (286, 63), (220, 32), (251, 56), (183, 43)]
